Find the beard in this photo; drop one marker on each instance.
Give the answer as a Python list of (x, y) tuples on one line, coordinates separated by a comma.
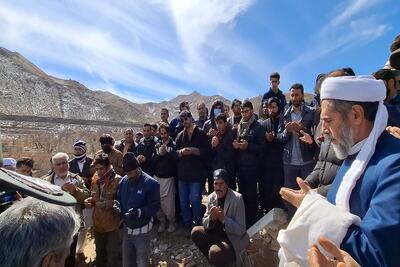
[(344, 142)]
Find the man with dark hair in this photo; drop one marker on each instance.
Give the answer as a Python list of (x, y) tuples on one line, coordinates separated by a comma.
[(210, 128), (115, 156), (298, 157), (192, 147), (164, 161), (24, 166), (222, 152), (127, 144), (106, 224), (154, 128), (274, 80), (144, 150), (249, 146), (176, 125), (138, 200), (202, 112), (222, 236), (392, 86), (272, 179), (164, 115), (236, 107), (138, 137)]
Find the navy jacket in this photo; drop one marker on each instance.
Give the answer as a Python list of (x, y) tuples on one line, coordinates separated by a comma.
[(279, 95), (143, 194), (376, 200)]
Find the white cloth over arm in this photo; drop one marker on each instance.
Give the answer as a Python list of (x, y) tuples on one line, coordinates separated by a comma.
[(315, 217)]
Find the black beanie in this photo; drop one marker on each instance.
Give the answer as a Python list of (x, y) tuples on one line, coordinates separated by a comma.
[(221, 174), (130, 162)]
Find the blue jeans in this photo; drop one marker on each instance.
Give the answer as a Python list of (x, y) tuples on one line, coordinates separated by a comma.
[(190, 193), (135, 249)]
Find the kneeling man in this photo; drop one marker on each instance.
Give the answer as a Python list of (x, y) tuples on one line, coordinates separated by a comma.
[(223, 235)]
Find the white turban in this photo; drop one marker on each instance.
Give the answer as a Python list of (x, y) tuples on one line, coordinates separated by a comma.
[(360, 89)]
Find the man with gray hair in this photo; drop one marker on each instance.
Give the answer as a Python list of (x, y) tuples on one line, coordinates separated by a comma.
[(71, 183), (361, 213), (37, 233)]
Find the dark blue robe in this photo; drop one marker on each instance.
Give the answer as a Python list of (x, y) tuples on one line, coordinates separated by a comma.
[(376, 200)]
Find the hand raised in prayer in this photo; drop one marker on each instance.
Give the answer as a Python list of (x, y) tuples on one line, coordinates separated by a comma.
[(306, 138), (269, 136), (235, 144), (243, 144), (69, 187), (212, 132), (317, 259), (214, 213), (214, 141), (295, 197), (141, 158), (395, 131), (220, 214)]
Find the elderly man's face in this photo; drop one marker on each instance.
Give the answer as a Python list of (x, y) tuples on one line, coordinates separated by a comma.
[(201, 110), (220, 188), (60, 167), (337, 129)]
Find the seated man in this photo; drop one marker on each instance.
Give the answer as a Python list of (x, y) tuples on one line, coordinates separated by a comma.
[(223, 235), (27, 226)]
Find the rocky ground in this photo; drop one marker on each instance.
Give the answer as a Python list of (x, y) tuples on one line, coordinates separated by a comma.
[(168, 249)]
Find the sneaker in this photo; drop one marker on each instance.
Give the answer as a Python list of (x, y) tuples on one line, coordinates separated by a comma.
[(171, 227), (162, 226)]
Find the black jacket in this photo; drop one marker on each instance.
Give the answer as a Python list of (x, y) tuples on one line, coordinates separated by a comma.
[(164, 166), (274, 149), (87, 171), (192, 168), (223, 155), (252, 156), (146, 148), (121, 147), (325, 170)]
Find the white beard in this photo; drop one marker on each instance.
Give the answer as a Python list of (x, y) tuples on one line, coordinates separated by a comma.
[(344, 143)]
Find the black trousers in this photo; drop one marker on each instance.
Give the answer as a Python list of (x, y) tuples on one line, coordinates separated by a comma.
[(216, 248), (248, 176), (270, 184)]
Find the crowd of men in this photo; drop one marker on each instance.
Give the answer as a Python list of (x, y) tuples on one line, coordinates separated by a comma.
[(247, 163)]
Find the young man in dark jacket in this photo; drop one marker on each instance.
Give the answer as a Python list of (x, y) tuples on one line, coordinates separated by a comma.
[(144, 150), (164, 161), (249, 146), (272, 179), (192, 147), (222, 152), (298, 157), (138, 200), (274, 80)]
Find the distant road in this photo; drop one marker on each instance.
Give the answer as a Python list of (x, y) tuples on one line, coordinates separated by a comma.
[(19, 118)]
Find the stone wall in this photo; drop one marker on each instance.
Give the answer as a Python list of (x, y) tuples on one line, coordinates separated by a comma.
[(263, 250)]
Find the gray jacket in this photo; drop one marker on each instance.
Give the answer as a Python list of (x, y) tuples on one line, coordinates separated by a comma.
[(235, 220), (287, 138), (325, 170)]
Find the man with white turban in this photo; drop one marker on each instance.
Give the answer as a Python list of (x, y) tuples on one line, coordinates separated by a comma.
[(361, 213)]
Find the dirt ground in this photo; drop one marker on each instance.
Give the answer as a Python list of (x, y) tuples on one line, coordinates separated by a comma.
[(168, 249)]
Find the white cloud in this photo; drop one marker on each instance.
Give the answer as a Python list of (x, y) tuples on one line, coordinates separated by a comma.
[(152, 47)]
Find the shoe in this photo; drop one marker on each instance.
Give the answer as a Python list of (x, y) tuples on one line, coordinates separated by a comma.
[(162, 226), (171, 227)]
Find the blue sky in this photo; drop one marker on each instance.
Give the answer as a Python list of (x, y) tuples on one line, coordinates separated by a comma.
[(156, 49)]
